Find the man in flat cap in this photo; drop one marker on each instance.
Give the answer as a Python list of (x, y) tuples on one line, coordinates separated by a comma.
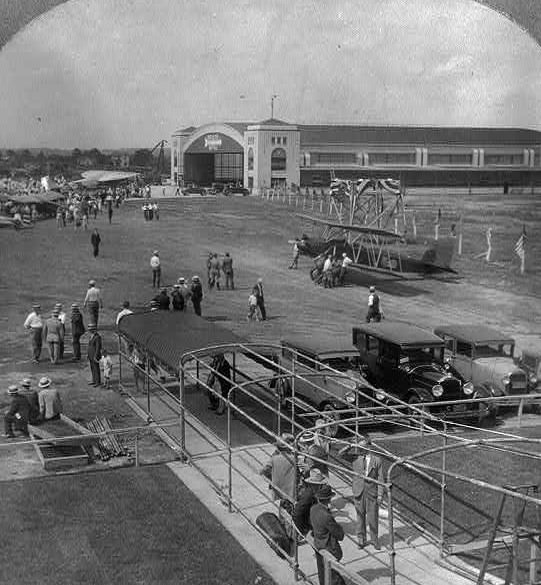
[(17, 414), (177, 298), (93, 301), (281, 470), (34, 323), (196, 294), (94, 354)]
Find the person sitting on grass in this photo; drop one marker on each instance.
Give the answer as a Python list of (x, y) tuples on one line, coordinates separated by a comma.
[(17, 414), (50, 403)]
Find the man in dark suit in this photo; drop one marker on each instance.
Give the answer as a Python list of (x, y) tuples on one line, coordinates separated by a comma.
[(367, 494), (258, 290), (17, 414), (327, 533), (94, 354)]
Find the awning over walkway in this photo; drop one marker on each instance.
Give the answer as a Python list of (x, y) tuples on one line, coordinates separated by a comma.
[(171, 336)]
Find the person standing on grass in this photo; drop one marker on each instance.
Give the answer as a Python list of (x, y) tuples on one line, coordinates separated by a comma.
[(296, 253), (94, 354), (196, 294), (106, 364), (227, 268), (258, 288), (93, 301), (95, 241), (156, 266), (62, 319), (52, 332), (110, 208), (177, 298), (184, 291), (77, 331), (374, 309), (252, 306), (156, 210), (34, 323)]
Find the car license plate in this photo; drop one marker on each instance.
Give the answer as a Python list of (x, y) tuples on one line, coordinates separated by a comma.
[(459, 407)]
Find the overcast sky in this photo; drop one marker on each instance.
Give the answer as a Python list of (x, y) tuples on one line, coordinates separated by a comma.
[(115, 73)]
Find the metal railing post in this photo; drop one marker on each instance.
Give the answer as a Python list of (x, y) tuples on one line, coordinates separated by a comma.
[(147, 372), (137, 448), (182, 420), (229, 457), (392, 552), (442, 490)]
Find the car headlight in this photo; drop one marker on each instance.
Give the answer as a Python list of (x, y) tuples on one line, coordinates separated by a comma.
[(380, 396), (437, 390), (350, 397), (468, 388), (506, 380), (533, 380)]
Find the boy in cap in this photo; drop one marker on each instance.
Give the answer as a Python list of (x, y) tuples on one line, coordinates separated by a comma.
[(34, 323), (156, 266), (107, 366), (17, 414), (327, 533), (50, 404), (77, 331)]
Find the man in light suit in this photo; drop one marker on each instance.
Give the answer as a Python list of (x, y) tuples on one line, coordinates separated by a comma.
[(367, 494)]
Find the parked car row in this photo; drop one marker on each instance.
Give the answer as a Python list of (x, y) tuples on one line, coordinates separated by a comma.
[(425, 369)]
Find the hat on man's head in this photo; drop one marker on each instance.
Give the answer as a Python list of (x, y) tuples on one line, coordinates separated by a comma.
[(181, 280), (259, 279), (58, 305), (195, 278), (325, 493), (164, 289), (372, 289), (91, 282), (176, 285), (13, 389), (156, 253), (307, 438), (55, 312), (316, 476), (36, 306), (92, 326), (26, 383), (74, 306), (44, 382)]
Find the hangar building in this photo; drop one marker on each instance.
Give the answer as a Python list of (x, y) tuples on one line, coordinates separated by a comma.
[(272, 152)]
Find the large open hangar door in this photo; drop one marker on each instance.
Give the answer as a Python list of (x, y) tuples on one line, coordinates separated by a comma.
[(214, 158)]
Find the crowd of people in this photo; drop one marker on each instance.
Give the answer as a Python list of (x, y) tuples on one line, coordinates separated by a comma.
[(301, 487)]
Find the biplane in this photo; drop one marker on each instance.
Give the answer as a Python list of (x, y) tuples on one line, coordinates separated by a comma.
[(370, 227)]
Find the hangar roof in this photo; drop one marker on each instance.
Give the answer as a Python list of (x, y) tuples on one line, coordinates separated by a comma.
[(332, 134)]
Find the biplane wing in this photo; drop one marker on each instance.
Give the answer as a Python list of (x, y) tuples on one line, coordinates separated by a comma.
[(360, 229)]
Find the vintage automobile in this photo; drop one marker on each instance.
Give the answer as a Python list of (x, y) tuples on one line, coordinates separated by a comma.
[(408, 362), (530, 362), (485, 356), (330, 368)]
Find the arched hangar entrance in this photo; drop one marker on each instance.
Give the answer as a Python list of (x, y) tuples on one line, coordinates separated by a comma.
[(214, 154)]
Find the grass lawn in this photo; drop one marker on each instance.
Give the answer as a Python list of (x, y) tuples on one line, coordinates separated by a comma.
[(124, 527)]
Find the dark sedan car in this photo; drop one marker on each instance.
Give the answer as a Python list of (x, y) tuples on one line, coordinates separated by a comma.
[(408, 362)]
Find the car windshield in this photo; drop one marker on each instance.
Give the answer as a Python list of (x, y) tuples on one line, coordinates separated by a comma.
[(494, 350), (343, 364)]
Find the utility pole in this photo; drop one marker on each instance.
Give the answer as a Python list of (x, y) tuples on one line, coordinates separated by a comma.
[(274, 96)]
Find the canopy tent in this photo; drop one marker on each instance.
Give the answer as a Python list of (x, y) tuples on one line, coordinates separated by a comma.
[(173, 338)]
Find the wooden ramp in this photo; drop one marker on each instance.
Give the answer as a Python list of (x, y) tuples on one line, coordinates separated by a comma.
[(68, 443)]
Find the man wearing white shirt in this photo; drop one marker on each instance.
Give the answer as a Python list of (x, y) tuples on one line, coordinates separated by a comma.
[(93, 301), (346, 261), (155, 264), (34, 322), (62, 319), (327, 272), (125, 311)]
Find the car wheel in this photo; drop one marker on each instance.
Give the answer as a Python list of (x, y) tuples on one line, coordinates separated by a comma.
[(330, 413)]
